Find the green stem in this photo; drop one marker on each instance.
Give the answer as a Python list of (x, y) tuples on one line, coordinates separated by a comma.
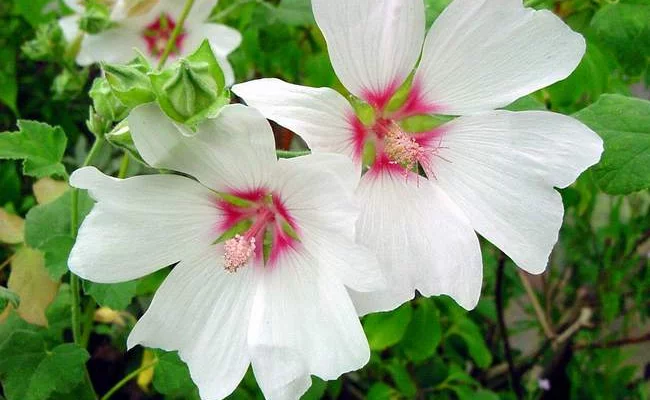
[(291, 153), (127, 378), (75, 285), (124, 166), (177, 31)]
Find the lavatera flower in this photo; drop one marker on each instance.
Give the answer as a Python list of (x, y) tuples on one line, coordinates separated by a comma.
[(266, 251), (489, 171), (147, 25)]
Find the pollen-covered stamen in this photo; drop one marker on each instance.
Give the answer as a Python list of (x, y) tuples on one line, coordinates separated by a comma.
[(238, 251), (403, 149)]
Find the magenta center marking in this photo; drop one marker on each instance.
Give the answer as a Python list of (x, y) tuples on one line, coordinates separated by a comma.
[(158, 33)]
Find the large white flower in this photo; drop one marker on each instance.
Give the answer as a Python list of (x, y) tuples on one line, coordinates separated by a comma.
[(489, 171), (274, 295), (147, 25)]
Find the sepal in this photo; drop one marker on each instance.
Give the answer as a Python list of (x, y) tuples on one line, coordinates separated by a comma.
[(130, 82), (193, 88)]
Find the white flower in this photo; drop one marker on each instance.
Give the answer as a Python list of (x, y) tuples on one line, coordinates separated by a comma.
[(223, 307), (147, 25), (489, 171)]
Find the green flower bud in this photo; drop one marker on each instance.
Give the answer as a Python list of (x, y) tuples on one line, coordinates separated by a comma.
[(106, 104), (96, 18), (130, 82), (193, 88), (69, 83), (121, 137), (96, 123), (48, 44)]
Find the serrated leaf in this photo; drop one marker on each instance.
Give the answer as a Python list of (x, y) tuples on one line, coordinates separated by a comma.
[(114, 295), (39, 145), (424, 332), (30, 372), (46, 226), (387, 328), (624, 124), (29, 280)]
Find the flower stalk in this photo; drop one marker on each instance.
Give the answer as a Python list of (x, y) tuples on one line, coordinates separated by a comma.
[(177, 31)]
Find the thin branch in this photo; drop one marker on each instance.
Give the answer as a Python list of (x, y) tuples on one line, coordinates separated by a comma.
[(127, 378), (514, 376), (613, 343), (536, 305), (171, 42)]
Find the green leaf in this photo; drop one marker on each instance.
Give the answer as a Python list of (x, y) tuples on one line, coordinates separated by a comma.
[(171, 375), (402, 378), (526, 103), (316, 390), (381, 391), (474, 340), (30, 372), (8, 83), (626, 29), (10, 183), (115, 295), (295, 12), (33, 11), (423, 334), (8, 297), (624, 124), (387, 328), (39, 145), (57, 249)]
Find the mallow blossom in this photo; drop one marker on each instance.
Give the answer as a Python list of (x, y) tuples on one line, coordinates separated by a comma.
[(265, 251), (147, 25), (488, 171)]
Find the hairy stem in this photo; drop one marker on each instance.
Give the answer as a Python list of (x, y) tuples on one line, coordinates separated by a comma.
[(177, 31)]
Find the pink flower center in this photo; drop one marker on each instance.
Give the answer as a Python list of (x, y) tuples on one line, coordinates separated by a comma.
[(394, 147), (264, 228), (158, 33)]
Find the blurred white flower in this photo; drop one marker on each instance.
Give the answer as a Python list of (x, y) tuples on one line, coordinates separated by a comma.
[(271, 295), (147, 25), (489, 171)]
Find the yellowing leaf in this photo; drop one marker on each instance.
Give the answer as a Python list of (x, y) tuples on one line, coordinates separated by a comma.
[(12, 228), (145, 377), (47, 190), (31, 282)]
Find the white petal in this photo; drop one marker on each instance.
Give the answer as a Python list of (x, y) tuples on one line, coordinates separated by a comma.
[(320, 116), (223, 39), (501, 167), (234, 150), (203, 312), (111, 46), (303, 323), (70, 27), (226, 68), (373, 44), (318, 192), (485, 54), (423, 241), (201, 10), (140, 224)]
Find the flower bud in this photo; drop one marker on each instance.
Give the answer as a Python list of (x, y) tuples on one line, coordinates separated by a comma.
[(130, 82), (69, 84), (121, 137), (48, 44), (106, 104), (193, 88), (96, 18)]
